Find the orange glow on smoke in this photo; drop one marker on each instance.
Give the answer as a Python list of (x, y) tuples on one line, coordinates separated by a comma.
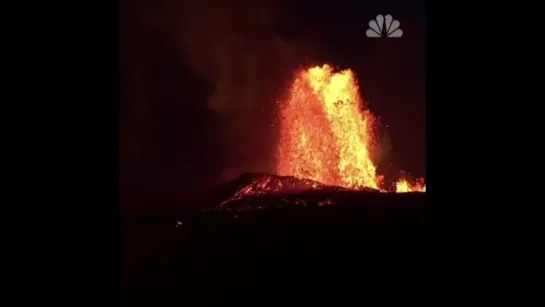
[(326, 134)]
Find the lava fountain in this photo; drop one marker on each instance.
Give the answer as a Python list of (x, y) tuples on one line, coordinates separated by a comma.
[(326, 133)]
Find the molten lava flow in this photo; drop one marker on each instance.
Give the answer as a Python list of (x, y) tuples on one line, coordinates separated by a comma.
[(403, 186), (325, 135)]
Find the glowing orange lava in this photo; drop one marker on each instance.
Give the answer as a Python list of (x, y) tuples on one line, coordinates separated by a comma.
[(403, 186), (326, 135)]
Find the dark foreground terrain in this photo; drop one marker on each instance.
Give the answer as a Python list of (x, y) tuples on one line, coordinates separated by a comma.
[(158, 251), (305, 232)]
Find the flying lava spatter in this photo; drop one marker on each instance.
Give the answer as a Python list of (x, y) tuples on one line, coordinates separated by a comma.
[(326, 134)]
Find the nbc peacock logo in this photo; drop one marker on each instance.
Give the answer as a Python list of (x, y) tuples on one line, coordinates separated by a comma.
[(384, 25)]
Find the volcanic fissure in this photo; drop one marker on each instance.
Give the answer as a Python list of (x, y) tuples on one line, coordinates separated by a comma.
[(326, 138)]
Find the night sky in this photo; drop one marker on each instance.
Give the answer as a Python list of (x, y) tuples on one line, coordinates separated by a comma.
[(199, 81)]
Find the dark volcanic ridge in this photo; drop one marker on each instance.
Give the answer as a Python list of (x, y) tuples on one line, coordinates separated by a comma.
[(253, 191)]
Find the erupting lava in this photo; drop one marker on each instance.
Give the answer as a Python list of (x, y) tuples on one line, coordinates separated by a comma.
[(404, 186), (327, 134)]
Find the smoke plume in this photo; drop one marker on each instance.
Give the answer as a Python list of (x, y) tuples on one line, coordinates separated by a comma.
[(235, 46)]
